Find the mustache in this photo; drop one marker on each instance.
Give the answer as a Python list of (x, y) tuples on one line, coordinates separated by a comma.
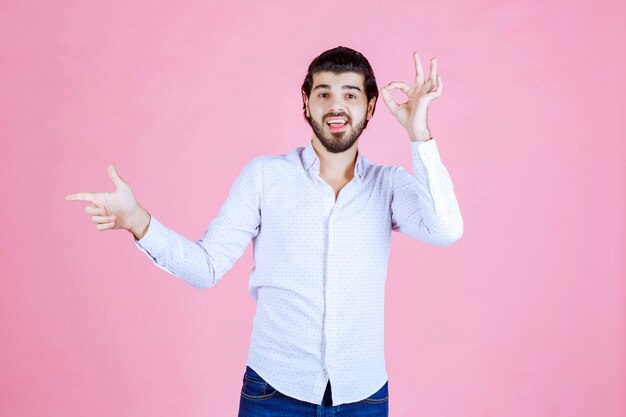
[(329, 116)]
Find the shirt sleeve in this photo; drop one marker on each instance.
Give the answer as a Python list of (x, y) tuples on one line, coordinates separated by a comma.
[(423, 205), (204, 262)]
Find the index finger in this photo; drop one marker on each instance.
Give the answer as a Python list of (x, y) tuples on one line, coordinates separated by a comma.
[(81, 197)]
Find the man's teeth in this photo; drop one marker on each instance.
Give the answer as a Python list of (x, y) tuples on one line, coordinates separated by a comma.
[(337, 122)]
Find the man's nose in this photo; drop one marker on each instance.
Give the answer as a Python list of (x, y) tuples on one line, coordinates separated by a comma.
[(337, 106)]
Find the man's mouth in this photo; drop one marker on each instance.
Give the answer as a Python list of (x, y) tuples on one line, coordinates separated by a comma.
[(336, 124)]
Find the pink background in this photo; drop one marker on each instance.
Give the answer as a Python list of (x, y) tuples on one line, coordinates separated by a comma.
[(524, 316)]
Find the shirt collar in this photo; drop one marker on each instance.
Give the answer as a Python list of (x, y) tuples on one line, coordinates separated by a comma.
[(310, 159)]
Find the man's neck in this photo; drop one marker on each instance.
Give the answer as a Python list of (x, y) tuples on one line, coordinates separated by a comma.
[(336, 166)]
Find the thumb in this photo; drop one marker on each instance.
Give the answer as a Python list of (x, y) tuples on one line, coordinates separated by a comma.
[(117, 180)]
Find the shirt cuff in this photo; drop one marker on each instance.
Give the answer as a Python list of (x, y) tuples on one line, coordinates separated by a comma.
[(155, 239), (427, 152)]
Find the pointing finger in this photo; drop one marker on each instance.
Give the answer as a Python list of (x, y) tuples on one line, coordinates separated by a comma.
[(81, 197)]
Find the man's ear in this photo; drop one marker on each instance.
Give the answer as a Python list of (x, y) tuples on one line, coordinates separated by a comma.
[(305, 100), (370, 108)]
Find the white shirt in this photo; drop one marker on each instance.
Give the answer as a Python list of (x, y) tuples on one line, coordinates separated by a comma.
[(320, 264)]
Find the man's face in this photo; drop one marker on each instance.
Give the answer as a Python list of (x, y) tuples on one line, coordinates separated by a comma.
[(338, 97)]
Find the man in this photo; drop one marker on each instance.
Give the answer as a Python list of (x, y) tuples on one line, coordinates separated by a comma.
[(320, 218)]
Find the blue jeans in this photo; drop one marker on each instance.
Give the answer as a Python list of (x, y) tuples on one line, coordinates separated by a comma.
[(260, 399)]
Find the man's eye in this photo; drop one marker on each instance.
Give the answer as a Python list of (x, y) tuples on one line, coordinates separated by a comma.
[(325, 94)]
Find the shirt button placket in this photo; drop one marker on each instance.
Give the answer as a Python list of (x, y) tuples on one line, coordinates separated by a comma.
[(330, 289), (329, 203)]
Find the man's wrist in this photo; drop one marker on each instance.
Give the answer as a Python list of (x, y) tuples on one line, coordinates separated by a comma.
[(420, 136), (140, 225)]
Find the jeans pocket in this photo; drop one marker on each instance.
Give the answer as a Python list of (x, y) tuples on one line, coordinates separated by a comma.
[(379, 396), (256, 388)]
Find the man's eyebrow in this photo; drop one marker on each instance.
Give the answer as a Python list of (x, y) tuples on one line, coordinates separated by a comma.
[(345, 87)]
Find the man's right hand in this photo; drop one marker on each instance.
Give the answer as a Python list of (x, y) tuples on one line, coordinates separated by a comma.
[(116, 210)]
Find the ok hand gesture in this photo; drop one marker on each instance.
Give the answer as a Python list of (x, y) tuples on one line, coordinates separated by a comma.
[(412, 114)]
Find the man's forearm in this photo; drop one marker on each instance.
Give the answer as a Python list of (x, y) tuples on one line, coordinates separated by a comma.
[(419, 132)]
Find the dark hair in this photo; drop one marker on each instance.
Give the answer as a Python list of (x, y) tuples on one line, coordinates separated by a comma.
[(338, 60)]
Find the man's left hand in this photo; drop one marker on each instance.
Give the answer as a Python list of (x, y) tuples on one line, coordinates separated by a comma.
[(412, 113)]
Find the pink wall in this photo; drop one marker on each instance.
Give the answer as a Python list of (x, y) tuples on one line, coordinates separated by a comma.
[(523, 317)]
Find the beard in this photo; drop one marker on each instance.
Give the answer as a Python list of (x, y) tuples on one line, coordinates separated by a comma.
[(337, 142)]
